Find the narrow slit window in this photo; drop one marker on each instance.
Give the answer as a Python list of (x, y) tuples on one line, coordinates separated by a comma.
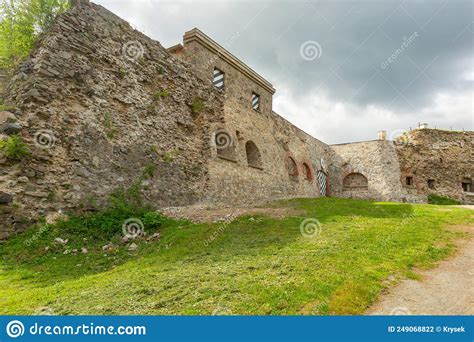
[(255, 101), (218, 79)]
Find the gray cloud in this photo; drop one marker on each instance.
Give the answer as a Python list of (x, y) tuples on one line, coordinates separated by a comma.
[(430, 79)]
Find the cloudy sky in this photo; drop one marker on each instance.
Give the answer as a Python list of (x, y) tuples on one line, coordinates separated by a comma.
[(343, 70)]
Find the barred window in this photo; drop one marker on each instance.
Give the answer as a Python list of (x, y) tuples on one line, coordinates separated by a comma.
[(255, 101), (218, 80)]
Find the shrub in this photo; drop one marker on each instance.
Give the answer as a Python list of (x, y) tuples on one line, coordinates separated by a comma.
[(160, 69), (14, 148), (149, 171), (441, 200), (160, 94), (122, 72), (110, 130), (106, 223), (197, 106)]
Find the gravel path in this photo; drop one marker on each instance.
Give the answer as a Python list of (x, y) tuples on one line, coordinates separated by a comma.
[(445, 290)]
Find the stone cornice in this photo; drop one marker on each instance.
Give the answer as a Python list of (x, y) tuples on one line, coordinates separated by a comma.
[(197, 35)]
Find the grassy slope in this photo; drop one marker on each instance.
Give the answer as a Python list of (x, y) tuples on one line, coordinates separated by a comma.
[(254, 266)]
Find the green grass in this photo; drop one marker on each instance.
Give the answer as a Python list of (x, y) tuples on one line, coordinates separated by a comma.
[(253, 265), (441, 200)]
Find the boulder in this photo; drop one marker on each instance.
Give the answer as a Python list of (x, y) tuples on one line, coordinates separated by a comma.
[(5, 198), (10, 128)]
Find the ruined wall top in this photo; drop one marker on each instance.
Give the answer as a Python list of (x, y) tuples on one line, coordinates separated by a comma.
[(196, 35)]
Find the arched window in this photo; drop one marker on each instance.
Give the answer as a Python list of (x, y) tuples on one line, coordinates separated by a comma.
[(308, 174), (224, 144), (253, 154), (291, 166), (355, 181)]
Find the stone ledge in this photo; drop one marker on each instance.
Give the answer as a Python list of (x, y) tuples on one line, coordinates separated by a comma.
[(228, 159)]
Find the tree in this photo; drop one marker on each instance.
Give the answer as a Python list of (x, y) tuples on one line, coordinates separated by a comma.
[(21, 23)]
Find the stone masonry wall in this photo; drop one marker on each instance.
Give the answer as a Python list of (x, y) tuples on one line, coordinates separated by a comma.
[(101, 106), (232, 180), (98, 104), (377, 161), (444, 157)]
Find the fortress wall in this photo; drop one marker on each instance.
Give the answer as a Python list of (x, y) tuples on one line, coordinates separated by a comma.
[(377, 161), (231, 179), (444, 157), (98, 103), (101, 106)]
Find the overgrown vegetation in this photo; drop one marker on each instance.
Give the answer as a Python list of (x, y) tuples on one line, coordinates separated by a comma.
[(160, 94), (21, 23), (197, 106), (110, 129), (160, 69), (253, 265), (14, 148), (441, 200), (122, 72)]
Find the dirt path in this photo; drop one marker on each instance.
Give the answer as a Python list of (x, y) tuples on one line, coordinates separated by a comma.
[(445, 290), (203, 214)]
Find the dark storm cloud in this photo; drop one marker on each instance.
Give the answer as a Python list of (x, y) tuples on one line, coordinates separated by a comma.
[(397, 55)]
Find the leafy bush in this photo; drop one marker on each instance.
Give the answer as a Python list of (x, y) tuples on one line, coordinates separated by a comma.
[(441, 200), (14, 148)]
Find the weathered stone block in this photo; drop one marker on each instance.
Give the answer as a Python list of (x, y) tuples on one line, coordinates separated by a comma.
[(10, 128)]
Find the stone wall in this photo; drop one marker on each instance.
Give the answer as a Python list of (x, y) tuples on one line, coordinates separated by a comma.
[(232, 179), (98, 104), (101, 107), (445, 159), (375, 160)]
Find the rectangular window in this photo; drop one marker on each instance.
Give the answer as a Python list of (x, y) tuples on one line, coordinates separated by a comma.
[(409, 180), (431, 183), (255, 101), (218, 79)]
